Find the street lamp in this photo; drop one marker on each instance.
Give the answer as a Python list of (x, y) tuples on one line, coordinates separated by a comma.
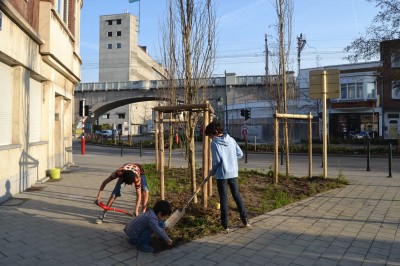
[(219, 104), (226, 105)]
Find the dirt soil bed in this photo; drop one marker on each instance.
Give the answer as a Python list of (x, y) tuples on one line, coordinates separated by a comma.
[(257, 189)]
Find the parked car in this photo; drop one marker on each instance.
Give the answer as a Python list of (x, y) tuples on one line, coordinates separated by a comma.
[(364, 135), (361, 135), (107, 133), (98, 132)]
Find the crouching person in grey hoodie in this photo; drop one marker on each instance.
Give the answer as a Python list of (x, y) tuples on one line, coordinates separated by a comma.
[(225, 155)]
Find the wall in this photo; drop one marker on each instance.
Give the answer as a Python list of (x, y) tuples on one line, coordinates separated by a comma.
[(40, 47)]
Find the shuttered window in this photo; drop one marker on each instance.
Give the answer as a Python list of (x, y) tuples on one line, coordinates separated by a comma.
[(35, 110), (6, 100)]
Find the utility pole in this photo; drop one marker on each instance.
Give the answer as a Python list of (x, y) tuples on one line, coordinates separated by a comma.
[(226, 105), (300, 46), (266, 59)]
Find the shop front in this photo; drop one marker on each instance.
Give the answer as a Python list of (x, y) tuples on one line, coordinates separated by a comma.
[(354, 125)]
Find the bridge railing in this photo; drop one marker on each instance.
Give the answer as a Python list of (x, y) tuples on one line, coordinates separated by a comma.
[(160, 84)]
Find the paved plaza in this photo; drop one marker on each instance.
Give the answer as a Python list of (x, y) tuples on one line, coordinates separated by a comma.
[(53, 223)]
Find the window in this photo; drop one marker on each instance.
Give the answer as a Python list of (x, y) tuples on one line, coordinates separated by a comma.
[(121, 116), (396, 89), (119, 45), (6, 104), (371, 90), (343, 91), (119, 33), (359, 90), (351, 90), (109, 22), (35, 110), (119, 21), (109, 46), (62, 7), (109, 34), (106, 116), (395, 59)]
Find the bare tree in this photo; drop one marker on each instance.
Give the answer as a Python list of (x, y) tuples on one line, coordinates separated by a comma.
[(189, 48), (280, 87), (169, 60), (384, 26)]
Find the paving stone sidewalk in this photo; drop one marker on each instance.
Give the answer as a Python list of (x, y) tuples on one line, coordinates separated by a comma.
[(53, 224)]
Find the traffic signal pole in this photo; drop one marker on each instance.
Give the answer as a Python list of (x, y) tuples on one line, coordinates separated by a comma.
[(83, 141), (82, 111), (324, 127)]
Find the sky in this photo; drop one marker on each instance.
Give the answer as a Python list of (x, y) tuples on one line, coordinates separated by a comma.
[(327, 26)]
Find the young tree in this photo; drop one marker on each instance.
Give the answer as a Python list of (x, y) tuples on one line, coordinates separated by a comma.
[(384, 26), (192, 27), (280, 88)]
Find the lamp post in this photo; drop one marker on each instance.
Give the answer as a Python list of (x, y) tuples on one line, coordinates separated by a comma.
[(219, 104), (226, 105)]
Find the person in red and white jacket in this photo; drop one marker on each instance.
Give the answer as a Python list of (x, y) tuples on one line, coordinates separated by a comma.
[(128, 174)]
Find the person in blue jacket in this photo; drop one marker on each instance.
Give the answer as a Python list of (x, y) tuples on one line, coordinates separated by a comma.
[(225, 154), (140, 229)]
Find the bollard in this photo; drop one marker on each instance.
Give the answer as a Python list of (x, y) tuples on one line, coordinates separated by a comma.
[(390, 160), (121, 147), (140, 149), (368, 156), (245, 157)]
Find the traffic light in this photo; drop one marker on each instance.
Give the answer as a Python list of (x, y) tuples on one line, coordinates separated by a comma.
[(87, 110), (242, 112), (82, 108), (247, 114)]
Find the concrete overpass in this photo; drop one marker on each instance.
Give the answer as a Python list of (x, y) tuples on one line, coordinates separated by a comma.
[(105, 96), (228, 95)]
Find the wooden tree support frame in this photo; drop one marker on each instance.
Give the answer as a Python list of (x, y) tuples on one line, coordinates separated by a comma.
[(207, 111), (278, 116)]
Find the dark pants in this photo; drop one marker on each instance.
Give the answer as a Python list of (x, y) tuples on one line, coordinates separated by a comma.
[(144, 237), (223, 198)]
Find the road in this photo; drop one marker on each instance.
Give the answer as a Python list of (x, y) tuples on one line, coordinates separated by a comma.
[(337, 165)]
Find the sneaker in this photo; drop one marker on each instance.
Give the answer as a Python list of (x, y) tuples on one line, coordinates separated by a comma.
[(145, 248), (246, 223), (227, 230), (100, 219)]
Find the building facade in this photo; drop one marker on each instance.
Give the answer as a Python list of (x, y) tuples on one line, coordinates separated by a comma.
[(390, 88), (39, 69), (369, 101)]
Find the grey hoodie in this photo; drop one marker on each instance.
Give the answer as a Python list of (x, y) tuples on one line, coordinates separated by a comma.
[(225, 151)]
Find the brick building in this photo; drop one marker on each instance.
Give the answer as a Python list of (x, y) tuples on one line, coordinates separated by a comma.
[(369, 100)]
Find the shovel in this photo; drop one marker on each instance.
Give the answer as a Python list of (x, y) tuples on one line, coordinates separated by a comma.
[(177, 215)]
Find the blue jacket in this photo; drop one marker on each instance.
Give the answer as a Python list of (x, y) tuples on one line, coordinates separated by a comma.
[(226, 152)]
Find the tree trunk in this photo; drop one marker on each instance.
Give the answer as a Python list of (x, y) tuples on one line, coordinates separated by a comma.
[(170, 141)]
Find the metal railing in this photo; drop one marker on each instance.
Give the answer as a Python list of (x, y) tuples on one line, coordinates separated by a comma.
[(162, 84)]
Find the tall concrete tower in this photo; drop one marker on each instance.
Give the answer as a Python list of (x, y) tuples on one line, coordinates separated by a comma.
[(120, 56), (118, 40)]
